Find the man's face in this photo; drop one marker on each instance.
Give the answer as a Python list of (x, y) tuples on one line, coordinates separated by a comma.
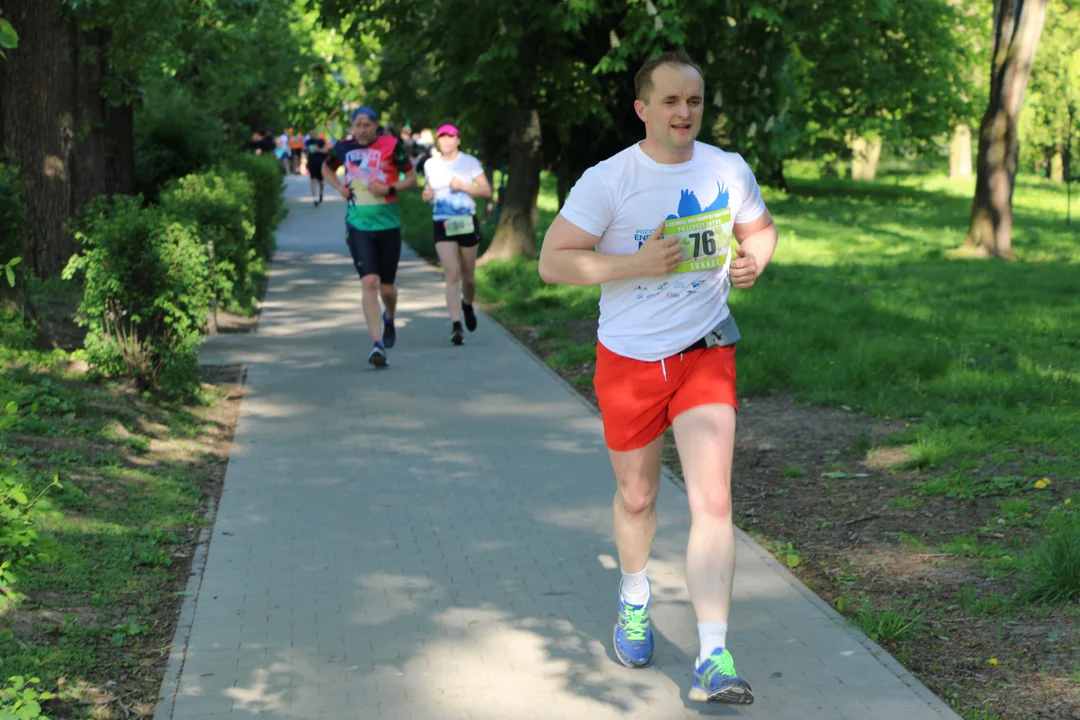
[(364, 129), (406, 134), (672, 112), (448, 144)]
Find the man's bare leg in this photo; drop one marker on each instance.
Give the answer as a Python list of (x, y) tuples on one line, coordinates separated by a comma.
[(637, 480), (372, 309)]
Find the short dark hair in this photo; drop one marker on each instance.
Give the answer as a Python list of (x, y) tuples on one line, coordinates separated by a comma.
[(643, 78)]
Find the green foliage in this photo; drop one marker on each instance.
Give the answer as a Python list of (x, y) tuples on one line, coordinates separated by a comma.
[(264, 172), (12, 219), (147, 293), (220, 204), (1050, 123), (174, 136), (1053, 566), (21, 512), (20, 699), (9, 39)]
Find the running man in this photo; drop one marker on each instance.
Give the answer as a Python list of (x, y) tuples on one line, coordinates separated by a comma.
[(674, 223), (373, 164), (453, 179), (316, 156)]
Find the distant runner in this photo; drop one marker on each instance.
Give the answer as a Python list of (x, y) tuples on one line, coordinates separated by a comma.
[(453, 179), (316, 156)]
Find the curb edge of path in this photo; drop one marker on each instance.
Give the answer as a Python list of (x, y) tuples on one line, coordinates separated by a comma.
[(876, 651), (170, 681)]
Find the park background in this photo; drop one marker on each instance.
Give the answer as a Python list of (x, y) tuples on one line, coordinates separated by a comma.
[(911, 360)]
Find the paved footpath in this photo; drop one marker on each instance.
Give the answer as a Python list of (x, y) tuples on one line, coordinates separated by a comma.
[(433, 540)]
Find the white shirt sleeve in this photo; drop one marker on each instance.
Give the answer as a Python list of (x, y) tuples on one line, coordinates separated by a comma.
[(752, 206), (591, 204), (474, 169)]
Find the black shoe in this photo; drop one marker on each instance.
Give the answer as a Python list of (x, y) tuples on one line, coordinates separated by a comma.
[(377, 357), (470, 316), (457, 335), (389, 332)]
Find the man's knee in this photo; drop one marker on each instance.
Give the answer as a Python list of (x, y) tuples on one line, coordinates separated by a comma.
[(371, 283), (637, 497), (712, 501), (388, 290)]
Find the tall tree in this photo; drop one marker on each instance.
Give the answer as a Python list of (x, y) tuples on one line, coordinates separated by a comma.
[(1018, 25)]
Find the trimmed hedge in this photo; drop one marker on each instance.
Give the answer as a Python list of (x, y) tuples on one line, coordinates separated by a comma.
[(264, 171)]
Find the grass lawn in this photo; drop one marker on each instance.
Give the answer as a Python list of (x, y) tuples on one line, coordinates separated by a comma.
[(135, 474), (922, 414)]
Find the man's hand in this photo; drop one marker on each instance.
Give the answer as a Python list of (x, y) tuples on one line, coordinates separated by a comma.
[(744, 270), (659, 255), (428, 194), (345, 191), (378, 189)]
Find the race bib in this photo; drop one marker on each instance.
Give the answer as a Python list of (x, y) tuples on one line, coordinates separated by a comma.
[(459, 225), (705, 242)]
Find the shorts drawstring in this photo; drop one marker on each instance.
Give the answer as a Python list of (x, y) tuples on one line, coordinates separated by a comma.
[(664, 369)]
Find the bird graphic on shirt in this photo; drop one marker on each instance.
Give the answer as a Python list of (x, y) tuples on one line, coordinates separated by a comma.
[(689, 205)]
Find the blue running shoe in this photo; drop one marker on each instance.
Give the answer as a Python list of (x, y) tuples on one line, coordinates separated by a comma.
[(389, 332), (715, 680), (633, 634)]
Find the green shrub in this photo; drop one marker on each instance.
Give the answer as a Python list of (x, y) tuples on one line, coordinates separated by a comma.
[(147, 293), (174, 137), (265, 174), (221, 203), (1053, 566)]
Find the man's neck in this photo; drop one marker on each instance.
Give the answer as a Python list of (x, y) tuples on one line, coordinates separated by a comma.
[(665, 156)]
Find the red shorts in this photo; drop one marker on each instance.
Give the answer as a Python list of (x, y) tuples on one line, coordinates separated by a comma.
[(639, 400)]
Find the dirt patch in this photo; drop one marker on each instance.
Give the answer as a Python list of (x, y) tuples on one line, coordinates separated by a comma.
[(817, 487)]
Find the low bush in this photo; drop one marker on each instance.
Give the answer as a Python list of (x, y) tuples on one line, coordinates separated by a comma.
[(264, 172), (221, 204), (147, 293)]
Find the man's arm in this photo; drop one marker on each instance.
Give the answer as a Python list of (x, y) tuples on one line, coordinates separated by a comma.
[(757, 241), (329, 174), (379, 189), (567, 256)]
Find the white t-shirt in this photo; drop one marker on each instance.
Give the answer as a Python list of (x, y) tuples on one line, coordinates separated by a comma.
[(622, 199), (438, 172)]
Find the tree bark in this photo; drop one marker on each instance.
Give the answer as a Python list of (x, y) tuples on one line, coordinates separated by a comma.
[(1018, 25), (865, 153), (37, 123), (960, 152), (516, 233), (1057, 164)]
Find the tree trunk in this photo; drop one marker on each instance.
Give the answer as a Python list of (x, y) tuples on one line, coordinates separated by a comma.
[(960, 152), (37, 123), (516, 233), (1057, 164), (1017, 27), (777, 178), (865, 153)]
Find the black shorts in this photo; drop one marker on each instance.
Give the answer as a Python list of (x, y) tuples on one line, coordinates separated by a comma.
[(375, 252), (315, 169), (470, 240)]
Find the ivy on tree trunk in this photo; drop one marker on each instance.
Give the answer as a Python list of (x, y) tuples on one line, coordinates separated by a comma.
[(1018, 25)]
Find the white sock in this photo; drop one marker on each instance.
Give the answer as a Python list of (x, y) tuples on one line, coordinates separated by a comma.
[(712, 635), (635, 587)]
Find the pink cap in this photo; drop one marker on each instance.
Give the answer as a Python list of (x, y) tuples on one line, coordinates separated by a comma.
[(447, 129)]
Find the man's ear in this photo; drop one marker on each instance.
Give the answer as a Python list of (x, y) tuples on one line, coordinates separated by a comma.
[(639, 108)]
